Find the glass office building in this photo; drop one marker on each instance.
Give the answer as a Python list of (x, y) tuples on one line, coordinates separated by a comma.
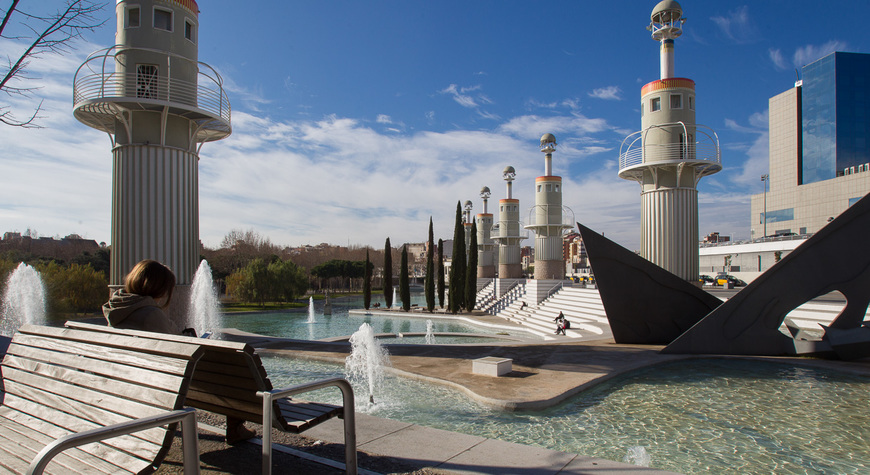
[(835, 117)]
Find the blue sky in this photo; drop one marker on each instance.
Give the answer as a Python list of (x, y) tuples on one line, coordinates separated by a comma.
[(356, 121)]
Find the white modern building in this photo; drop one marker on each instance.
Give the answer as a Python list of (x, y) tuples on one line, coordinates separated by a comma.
[(485, 245)]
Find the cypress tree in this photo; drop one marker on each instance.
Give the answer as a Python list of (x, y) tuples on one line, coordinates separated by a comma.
[(429, 284), (456, 294), (388, 274), (471, 274), (367, 283), (441, 273), (404, 283)]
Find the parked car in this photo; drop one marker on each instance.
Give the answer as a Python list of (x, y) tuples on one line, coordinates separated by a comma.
[(705, 280), (723, 279)]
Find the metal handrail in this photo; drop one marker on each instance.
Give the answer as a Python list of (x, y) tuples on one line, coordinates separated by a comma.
[(348, 414), (567, 217), (93, 81), (553, 289), (705, 148), (190, 443)]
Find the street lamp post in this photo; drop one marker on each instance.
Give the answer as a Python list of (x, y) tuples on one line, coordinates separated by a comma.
[(764, 180)]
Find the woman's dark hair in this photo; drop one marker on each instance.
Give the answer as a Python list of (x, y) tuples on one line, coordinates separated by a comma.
[(152, 279)]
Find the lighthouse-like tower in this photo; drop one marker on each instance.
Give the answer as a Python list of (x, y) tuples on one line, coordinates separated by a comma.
[(545, 218), (485, 244), (466, 223), (509, 263), (158, 104), (669, 156)]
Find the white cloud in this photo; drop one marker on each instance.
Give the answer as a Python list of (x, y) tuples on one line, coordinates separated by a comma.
[(777, 59), (737, 26), (810, 53), (607, 93), (384, 119)]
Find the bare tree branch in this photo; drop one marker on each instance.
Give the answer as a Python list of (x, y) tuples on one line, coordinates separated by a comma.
[(49, 34)]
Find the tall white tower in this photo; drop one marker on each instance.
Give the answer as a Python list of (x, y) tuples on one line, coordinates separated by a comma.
[(546, 218), (509, 263), (669, 156), (158, 104), (466, 223), (485, 244)]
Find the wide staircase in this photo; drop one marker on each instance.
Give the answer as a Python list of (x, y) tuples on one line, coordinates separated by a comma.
[(582, 307)]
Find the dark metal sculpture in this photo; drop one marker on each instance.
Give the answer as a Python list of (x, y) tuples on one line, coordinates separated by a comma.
[(835, 258), (644, 303)]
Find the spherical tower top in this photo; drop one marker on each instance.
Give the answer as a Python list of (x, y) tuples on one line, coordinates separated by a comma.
[(468, 204), (485, 193), (666, 20), (509, 173), (548, 143)]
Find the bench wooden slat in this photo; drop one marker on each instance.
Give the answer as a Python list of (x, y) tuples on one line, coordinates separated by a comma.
[(174, 349), (138, 359), (116, 370), (299, 416), (79, 400), (71, 461), (159, 395), (53, 424)]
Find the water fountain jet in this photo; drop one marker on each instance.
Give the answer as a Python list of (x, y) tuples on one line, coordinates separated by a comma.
[(430, 332), (367, 360), (204, 307), (23, 300), (311, 310)]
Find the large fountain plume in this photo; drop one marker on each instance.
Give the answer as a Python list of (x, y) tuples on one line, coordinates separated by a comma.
[(204, 310), (367, 360), (23, 300)]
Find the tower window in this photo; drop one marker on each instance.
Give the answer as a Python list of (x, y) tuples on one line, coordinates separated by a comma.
[(146, 81), (189, 31), (162, 19), (691, 102), (132, 17), (539, 188), (557, 188), (676, 101), (655, 104)]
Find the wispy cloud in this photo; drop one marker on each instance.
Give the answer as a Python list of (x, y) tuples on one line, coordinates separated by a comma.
[(809, 53), (607, 93), (736, 25), (778, 60)]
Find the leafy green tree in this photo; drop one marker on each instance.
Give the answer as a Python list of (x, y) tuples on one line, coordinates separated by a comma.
[(404, 281), (367, 283), (288, 280), (440, 273), (388, 274), (471, 274), (429, 284), (456, 294), (85, 288)]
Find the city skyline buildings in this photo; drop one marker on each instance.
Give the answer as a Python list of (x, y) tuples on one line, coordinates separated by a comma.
[(349, 128)]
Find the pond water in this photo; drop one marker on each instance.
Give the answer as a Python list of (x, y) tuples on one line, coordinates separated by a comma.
[(294, 324), (694, 416)]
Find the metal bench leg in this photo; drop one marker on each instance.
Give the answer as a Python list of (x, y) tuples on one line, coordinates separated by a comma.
[(348, 413)]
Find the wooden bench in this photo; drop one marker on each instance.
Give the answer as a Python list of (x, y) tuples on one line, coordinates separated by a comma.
[(64, 390), (230, 379)]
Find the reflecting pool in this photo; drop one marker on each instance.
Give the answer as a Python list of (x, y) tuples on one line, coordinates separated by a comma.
[(294, 324), (693, 416)]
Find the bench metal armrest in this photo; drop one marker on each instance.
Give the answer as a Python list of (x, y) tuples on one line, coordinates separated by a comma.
[(348, 415), (190, 443)]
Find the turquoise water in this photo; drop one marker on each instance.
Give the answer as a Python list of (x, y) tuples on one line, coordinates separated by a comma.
[(694, 416), (294, 324)]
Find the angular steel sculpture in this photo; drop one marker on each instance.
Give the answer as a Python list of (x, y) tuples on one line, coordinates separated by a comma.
[(835, 258), (644, 303)]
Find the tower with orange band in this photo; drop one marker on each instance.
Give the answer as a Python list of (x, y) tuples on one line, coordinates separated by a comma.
[(158, 104), (546, 218), (485, 245), (669, 156), (508, 236)]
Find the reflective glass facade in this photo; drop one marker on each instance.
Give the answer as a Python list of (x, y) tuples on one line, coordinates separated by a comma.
[(835, 115)]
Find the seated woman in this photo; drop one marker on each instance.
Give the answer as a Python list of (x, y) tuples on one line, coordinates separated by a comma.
[(139, 306)]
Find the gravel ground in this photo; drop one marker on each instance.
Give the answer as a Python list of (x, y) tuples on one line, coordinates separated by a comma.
[(217, 457)]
